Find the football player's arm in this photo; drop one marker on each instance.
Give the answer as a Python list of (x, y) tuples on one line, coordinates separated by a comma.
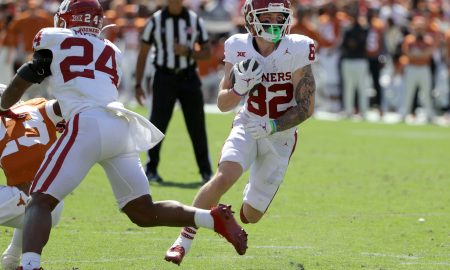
[(13, 92), (305, 88), (140, 67), (34, 71), (227, 99)]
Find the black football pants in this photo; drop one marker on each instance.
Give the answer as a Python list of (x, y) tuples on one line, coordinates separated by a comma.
[(186, 88)]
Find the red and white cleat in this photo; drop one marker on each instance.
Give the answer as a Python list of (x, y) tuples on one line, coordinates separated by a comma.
[(175, 254), (226, 225)]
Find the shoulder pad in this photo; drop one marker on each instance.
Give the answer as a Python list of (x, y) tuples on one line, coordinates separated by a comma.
[(236, 48), (48, 37), (304, 50)]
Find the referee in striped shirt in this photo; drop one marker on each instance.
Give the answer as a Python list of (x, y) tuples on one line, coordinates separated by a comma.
[(174, 31)]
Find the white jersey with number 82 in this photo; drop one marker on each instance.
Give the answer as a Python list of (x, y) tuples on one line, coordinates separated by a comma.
[(275, 95)]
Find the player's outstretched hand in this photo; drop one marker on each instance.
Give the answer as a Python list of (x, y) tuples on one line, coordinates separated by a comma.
[(261, 128), (246, 74), (10, 114)]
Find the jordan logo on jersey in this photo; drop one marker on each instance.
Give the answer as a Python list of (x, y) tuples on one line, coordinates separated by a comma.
[(287, 51), (264, 127), (21, 201), (240, 54)]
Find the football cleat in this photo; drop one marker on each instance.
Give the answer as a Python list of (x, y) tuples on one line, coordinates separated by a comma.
[(154, 177), (226, 225), (10, 261), (175, 254), (21, 268)]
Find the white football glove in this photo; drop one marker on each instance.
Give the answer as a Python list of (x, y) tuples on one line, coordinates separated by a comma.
[(261, 128), (245, 78)]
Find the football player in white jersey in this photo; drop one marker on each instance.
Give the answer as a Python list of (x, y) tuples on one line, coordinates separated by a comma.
[(271, 70), (83, 70)]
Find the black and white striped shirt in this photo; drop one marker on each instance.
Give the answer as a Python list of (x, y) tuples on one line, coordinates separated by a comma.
[(163, 30)]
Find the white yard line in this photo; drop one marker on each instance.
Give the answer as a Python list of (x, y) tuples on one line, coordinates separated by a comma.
[(282, 247), (426, 263), (400, 256), (426, 134)]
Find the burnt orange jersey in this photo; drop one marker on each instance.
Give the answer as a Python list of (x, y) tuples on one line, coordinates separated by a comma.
[(24, 141), (23, 29)]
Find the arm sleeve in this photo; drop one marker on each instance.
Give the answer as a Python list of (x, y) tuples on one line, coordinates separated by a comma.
[(51, 113), (38, 69)]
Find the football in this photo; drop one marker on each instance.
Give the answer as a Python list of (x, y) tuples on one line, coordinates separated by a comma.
[(245, 64)]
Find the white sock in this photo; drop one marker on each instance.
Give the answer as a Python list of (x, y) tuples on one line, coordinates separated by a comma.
[(31, 260), (203, 218), (185, 238), (16, 240), (15, 248)]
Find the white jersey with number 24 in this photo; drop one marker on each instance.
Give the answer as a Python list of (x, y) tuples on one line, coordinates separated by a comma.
[(85, 70)]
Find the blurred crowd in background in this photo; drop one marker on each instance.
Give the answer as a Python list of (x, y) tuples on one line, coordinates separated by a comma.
[(399, 64)]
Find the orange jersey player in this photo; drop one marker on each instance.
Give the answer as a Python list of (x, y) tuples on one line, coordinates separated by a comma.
[(23, 144), (24, 141)]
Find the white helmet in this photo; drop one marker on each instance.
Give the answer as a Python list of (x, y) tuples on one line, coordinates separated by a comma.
[(269, 31)]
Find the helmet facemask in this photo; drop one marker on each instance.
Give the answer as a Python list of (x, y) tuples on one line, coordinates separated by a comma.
[(58, 21)]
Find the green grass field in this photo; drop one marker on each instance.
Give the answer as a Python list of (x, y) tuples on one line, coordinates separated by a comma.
[(351, 199)]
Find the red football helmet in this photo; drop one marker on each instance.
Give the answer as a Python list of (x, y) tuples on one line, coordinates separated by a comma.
[(253, 8), (86, 14)]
